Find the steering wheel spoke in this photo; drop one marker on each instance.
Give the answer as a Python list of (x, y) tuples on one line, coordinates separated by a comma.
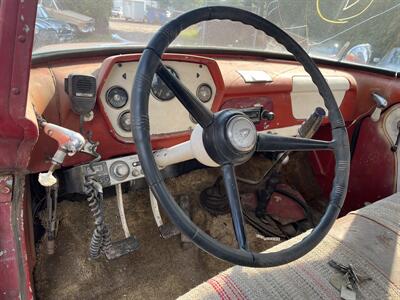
[(199, 112), (232, 192), (270, 143)]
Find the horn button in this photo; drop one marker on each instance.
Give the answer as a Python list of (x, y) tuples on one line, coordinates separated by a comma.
[(231, 138), (241, 133)]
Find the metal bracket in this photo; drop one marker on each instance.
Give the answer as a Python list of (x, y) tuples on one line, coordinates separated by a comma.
[(90, 148)]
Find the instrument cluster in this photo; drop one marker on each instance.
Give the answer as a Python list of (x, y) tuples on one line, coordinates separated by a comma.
[(167, 114)]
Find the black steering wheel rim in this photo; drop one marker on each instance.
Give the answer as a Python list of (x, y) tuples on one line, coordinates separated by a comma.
[(149, 64)]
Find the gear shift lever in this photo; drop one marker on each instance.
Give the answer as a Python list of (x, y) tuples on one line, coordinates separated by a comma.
[(69, 142)]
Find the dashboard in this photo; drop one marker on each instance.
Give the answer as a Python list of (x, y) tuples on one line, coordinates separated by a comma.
[(279, 100)]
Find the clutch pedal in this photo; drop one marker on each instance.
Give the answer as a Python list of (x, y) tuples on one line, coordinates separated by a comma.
[(122, 247), (101, 239), (169, 230), (130, 243)]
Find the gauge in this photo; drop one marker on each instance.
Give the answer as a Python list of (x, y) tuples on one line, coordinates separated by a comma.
[(204, 92), (117, 97), (160, 90), (124, 121)]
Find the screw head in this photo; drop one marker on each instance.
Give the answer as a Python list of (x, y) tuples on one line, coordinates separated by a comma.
[(16, 91), (22, 38)]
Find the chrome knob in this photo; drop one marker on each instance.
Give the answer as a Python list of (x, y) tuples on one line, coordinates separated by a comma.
[(119, 170)]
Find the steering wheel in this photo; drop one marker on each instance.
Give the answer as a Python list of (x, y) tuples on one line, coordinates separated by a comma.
[(228, 138)]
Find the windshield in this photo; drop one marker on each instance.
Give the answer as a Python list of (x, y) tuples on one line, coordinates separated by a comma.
[(357, 31)]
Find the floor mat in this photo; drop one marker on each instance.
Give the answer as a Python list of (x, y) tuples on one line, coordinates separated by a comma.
[(160, 269)]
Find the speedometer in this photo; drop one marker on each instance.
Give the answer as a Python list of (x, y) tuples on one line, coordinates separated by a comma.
[(117, 97), (160, 90)]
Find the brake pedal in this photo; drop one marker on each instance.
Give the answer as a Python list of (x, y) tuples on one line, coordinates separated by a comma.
[(168, 230)]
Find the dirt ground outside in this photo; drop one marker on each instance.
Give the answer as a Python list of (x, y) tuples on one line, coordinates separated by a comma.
[(136, 33)]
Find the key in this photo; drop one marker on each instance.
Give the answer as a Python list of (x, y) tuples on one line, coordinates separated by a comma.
[(350, 281), (338, 266), (353, 273)]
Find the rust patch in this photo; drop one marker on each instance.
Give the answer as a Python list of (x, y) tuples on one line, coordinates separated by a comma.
[(6, 183)]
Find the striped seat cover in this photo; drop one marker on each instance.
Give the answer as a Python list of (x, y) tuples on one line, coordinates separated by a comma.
[(368, 238)]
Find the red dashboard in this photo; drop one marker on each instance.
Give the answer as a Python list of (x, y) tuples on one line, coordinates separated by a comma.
[(49, 98)]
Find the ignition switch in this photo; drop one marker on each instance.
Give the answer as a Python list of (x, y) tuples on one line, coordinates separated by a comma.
[(256, 114)]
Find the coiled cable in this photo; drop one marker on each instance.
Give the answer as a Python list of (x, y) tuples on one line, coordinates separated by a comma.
[(101, 237)]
